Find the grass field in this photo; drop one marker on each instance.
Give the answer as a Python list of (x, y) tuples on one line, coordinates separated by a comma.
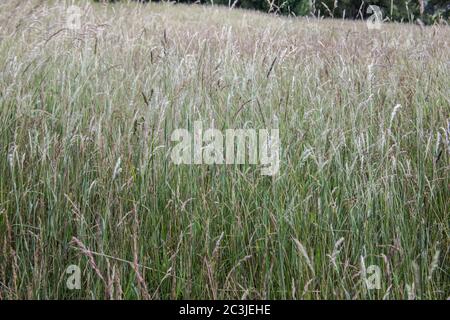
[(86, 178)]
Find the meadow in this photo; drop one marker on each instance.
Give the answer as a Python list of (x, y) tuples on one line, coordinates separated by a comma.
[(86, 180)]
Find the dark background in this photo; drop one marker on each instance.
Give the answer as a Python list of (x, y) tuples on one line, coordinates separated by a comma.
[(428, 11)]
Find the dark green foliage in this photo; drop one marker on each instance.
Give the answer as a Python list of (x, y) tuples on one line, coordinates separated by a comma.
[(395, 10)]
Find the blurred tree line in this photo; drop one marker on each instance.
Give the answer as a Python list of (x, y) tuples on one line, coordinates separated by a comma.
[(428, 11)]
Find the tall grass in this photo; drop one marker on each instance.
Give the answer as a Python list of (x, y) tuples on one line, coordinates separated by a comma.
[(86, 177)]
